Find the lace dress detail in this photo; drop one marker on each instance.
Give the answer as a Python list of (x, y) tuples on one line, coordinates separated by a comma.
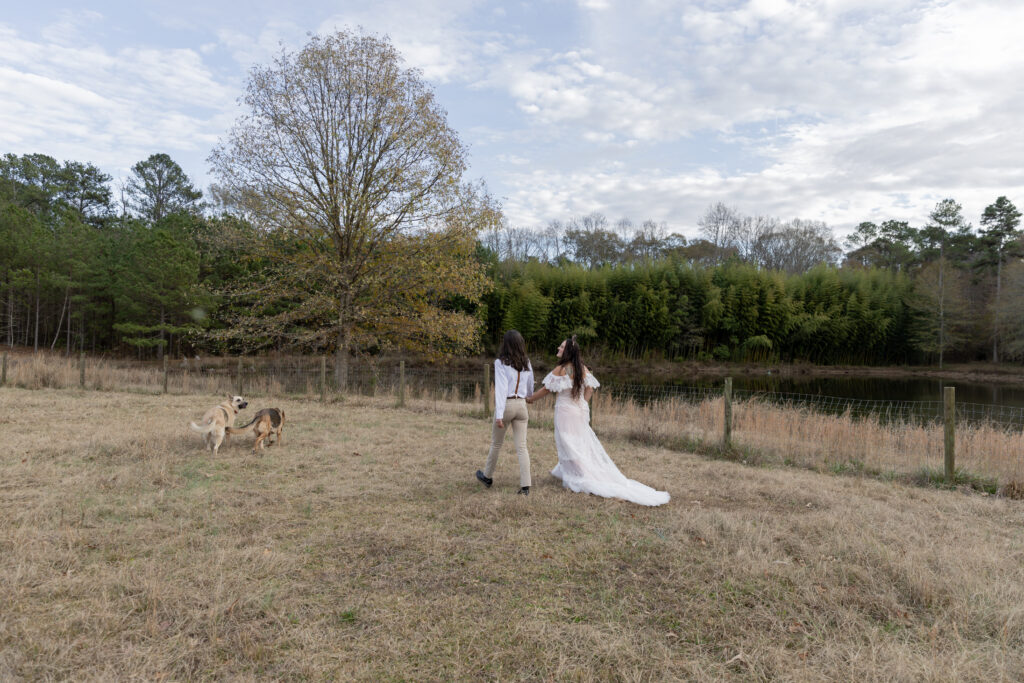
[(583, 465)]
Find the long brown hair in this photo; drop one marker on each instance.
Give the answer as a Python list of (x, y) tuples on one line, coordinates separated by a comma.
[(571, 357), (513, 351)]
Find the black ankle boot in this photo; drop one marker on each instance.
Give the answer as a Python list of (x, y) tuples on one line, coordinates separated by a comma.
[(525, 491), (486, 481)]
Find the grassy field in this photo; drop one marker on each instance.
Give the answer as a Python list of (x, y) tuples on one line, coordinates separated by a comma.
[(989, 457), (364, 549)]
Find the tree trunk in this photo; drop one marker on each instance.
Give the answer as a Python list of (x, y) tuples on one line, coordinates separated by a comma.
[(942, 309), (344, 341), (67, 342), (341, 359), (10, 317), (160, 352), (995, 317), (35, 342), (111, 332), (60, 322)]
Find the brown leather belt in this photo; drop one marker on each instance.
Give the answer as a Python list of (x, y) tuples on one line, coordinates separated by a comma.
[(512, 398)]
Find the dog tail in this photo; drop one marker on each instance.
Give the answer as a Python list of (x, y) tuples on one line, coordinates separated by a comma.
[(239, 430), (203, 430)]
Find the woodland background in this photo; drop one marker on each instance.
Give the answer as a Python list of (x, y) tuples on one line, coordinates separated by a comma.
[(150, 266)]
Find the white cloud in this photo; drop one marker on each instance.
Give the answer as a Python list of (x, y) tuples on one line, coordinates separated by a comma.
[(249, 51), (70, 27), (865, 109), (841, 110), (430, 34), (76, 100), (513, 159)]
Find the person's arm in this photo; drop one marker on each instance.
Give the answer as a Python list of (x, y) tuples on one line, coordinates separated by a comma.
[(529, 383), (500, 393), (543, 391), (588, 391), (540, 393)]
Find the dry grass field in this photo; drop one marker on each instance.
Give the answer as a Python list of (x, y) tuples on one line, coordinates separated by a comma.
[(988, 456), (364, 549)]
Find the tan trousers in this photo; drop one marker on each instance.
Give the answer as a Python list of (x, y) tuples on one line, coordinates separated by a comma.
[(517, 418)]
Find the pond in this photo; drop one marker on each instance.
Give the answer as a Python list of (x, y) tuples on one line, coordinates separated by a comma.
[(920, 398)]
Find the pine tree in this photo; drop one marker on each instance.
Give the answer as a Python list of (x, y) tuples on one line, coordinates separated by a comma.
[(1000, 239)]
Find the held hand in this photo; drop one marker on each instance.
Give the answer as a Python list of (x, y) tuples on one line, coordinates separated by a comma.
[(500, 423)]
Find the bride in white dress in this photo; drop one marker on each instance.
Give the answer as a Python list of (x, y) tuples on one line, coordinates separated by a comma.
[(583, 465)]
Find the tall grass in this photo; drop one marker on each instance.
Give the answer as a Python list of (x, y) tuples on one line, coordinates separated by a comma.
[(988, 456), (215, 376)]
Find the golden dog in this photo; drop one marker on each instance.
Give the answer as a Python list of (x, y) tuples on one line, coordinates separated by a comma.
[(218, 420), (265, 423)]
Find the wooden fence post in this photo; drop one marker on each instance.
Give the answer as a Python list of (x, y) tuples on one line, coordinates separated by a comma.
[(81, 369), (3, 374), (323, 378), (238, 376), (486, 388), (401, 383), (727, 403), (949, 421), (165, 373)]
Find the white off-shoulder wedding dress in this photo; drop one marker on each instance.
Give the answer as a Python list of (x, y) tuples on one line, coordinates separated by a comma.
[(583, 465)]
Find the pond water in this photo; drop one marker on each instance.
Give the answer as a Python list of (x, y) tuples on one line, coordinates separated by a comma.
[(862, 396), (918, 398), (874, 388)]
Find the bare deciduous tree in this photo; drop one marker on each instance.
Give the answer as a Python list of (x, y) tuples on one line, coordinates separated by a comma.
[(796, 247), (718, 225), (345, 149), (748, 231)]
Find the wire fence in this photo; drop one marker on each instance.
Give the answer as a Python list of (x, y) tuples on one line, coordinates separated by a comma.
[(809, 429), (313, 376), (883, 410)]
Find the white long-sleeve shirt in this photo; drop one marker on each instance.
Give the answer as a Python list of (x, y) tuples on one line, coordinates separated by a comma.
[(506, 378)]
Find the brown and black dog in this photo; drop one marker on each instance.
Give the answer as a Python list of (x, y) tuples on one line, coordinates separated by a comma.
[(266, 422), (217, 421)]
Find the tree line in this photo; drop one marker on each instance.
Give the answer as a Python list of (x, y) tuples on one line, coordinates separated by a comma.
[(158, 269), (83, 269), (755, 287), (340, 222)]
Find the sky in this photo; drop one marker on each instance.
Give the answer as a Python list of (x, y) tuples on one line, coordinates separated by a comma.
[(833, 110)]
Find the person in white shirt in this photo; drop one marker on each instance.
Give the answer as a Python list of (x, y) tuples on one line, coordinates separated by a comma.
[(513, 384)]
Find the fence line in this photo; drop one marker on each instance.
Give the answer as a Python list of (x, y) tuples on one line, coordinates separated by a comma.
[(832, 431), (306, 376)]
